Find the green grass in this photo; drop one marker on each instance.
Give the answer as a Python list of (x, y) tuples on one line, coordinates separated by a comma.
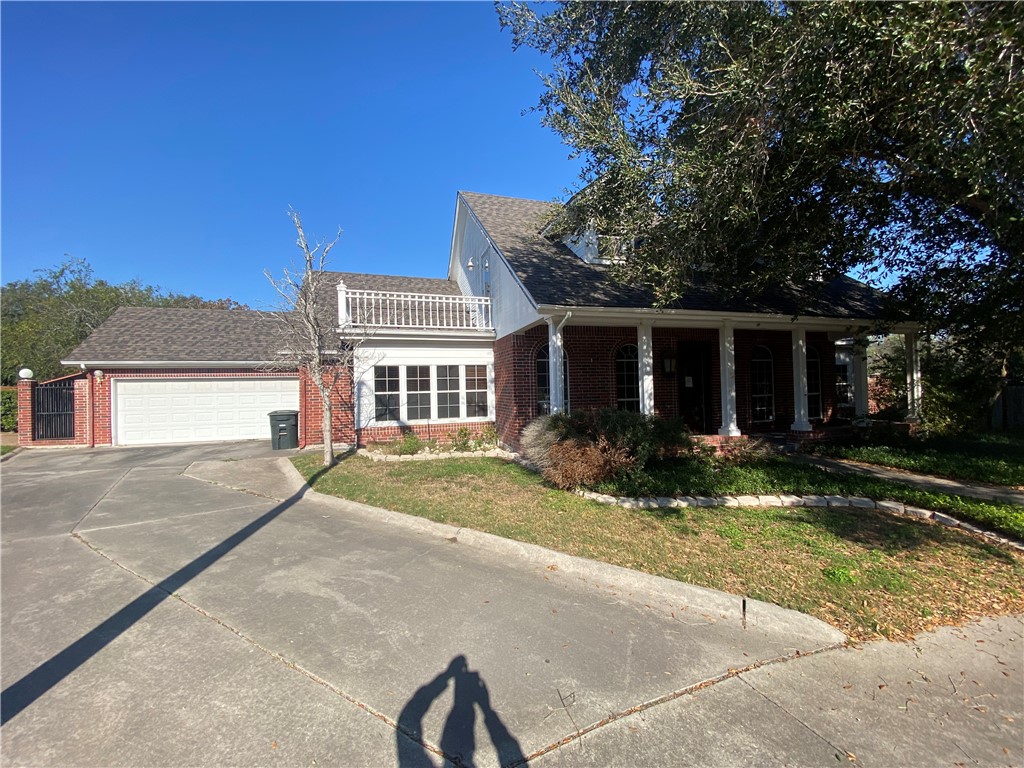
[(6, 449), (996, 458), (867, 573), (780, 475)]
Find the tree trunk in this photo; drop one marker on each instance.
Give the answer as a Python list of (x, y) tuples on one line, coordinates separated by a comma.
[(328, 431)]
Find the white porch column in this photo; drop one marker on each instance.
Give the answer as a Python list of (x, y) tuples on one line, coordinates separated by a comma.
[(727, 379), (860, 377), (343, 314), (801, 423), (555, 357), (646, 362), (913, 377)]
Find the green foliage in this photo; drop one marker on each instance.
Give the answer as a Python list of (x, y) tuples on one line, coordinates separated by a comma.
[(461, 440), (984, 459), (9, 410), (44, 319), (757, 144), (409, 444), (643, 438)]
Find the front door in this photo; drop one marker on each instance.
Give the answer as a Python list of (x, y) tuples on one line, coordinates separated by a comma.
[(694, 370)]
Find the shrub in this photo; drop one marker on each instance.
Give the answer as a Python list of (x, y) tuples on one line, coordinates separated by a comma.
[(408, 444), (9, 410), (536, 440), (644, 438), (461, 440), (575, 463)]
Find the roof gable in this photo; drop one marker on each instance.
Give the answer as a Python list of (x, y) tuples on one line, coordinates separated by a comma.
[(554, 275)]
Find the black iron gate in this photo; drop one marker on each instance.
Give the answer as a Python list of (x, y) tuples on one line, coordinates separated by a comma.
[(53, 410)]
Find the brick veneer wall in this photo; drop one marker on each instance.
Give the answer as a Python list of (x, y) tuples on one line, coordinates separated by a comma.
[(26, 423), (780, 343), (311, 410), (515, 382), (425, 429)]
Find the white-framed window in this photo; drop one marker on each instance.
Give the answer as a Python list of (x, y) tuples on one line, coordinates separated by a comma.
[(627, 378), (544, 380), (813, 384), (386, 393), (410, 393), (418, 392), (476, 391), (762, 385), (449, 391)]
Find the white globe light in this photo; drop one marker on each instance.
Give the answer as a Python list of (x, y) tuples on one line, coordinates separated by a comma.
[(26, 373)]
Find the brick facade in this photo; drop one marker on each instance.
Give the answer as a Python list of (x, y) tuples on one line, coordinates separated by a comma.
[(311, 411)]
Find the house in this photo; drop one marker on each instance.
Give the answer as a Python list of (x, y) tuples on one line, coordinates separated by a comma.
[(524, 324)]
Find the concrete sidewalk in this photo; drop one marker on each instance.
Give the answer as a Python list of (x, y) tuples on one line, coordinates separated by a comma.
[(923, 482), (186, 622)]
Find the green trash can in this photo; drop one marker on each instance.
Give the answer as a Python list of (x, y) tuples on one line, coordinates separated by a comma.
[(284, 429)]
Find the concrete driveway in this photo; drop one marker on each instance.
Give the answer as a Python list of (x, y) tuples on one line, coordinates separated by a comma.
[(154, 614)]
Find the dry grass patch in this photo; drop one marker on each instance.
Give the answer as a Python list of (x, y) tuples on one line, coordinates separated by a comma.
[(867, 573)]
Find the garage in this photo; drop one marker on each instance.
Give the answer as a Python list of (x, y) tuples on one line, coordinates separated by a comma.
[(151, 411)]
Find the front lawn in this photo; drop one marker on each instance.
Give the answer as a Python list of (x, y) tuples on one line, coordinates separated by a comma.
[(867, 573), (6, 449), (768, 475), (995, 458)]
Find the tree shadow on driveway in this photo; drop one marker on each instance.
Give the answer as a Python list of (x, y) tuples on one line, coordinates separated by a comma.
[(22, 694)]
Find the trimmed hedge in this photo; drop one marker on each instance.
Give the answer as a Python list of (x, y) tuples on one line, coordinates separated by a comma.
[(9, 410)]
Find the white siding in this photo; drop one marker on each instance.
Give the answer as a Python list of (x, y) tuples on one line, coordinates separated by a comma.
[(511, 307), (402, 354)]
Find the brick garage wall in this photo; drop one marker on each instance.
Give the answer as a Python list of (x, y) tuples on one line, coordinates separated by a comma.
[(780, 343), (665, 341), (311, 414)]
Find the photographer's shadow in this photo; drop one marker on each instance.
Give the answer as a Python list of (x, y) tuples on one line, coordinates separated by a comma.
[(458, 738)]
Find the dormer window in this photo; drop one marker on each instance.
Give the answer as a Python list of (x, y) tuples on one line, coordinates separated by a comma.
[(598, 249)]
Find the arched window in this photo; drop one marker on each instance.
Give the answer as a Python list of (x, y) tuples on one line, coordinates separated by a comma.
[(627, 378), (544, 380), (813, 384), (762, 385)]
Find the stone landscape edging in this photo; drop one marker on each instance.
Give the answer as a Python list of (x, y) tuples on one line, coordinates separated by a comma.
[(767, 500), (787, 500)]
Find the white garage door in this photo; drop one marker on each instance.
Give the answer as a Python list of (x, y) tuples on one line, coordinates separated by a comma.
[(151, 411)]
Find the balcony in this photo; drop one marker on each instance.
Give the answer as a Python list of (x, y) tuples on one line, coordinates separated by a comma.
[(414, 312)]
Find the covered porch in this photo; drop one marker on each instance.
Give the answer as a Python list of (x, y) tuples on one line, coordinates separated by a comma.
[(724, 376)]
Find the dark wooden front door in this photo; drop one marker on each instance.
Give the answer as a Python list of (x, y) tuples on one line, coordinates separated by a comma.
[(694, 370)]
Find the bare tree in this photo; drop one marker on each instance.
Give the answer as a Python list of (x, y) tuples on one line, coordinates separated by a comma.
[(308, 325)]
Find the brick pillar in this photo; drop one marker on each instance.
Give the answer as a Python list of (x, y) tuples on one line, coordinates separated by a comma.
[(26, 389)]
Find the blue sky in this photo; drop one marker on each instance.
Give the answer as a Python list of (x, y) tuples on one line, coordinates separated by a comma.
[(166, 141)]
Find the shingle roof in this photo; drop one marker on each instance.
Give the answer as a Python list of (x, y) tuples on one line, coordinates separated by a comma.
[(553, 274), (166, 334), (394, 283)]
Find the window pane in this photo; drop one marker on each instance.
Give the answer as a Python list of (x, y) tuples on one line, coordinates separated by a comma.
[(543, 382), (627, 378), (476, 391), (448, 388), (762, 385), (386, 386), (813, 384)]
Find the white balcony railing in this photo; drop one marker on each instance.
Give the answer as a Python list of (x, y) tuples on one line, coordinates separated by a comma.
[(413, 311)]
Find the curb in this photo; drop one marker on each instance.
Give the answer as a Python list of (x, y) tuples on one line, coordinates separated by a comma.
[(12, 454), (785, 500)]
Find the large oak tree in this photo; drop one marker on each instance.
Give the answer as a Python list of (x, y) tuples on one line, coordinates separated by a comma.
[(767, 141)]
